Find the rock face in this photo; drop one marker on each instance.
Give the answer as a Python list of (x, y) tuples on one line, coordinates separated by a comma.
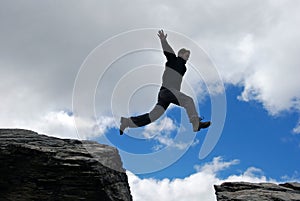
[(38, 167), (243, 191)]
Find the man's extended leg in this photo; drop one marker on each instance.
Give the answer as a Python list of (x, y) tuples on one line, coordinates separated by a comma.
[(145, 119), (142, 120)]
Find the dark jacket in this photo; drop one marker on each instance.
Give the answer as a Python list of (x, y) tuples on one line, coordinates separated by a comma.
[(174, 69)]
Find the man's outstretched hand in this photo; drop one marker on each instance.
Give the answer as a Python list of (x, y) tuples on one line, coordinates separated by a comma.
[(162, 35)]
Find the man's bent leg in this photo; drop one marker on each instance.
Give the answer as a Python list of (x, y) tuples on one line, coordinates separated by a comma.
[(147, 118), (188, 103)]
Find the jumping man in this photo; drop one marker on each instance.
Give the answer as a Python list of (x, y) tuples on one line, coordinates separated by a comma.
[(169, 92)]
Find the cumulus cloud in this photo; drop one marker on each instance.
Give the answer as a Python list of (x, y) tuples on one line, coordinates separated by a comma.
[(263, 60), (59, 124), (216, 165), (62, 124), (198, 186), (162, 131), (294, 177), (164, 125), (296, 130)]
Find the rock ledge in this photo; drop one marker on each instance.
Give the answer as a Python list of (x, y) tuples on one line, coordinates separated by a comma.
[(244, 191), (39, 167)]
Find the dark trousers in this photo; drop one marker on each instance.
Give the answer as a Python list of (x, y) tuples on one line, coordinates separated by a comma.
[(165, 98)]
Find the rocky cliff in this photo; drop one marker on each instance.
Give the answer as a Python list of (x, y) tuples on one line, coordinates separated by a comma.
[(243, 191), (38, 167)]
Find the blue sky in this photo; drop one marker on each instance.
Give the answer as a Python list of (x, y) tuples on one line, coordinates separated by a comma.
[(250, 135), (94, 61)]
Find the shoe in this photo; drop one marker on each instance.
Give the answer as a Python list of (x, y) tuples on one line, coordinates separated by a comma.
[(205, 124), (124, 124), (197, 124)]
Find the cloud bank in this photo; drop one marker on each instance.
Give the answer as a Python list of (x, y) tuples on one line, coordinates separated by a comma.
[(254, 45)]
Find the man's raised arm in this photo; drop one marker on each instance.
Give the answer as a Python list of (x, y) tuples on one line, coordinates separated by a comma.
[(164, 43)]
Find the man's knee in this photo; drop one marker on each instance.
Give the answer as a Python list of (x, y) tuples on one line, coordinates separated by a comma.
[(186, 100)]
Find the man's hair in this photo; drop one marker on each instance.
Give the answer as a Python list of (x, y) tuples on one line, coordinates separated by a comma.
[(182, 51)]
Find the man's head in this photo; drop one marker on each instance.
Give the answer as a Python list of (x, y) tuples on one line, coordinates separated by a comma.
[(184, 53)]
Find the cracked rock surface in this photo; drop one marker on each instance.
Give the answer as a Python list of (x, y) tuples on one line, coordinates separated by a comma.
[(39, 167), (244, 191)]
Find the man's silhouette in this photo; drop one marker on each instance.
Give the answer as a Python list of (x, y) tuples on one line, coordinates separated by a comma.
[(169, 92)]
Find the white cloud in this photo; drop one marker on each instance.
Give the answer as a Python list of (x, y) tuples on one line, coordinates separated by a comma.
[(216, 165), (88, 128), (296, 130), (270, 75), (164, 125), (161, 131), (295, 177), (252, 174), (245, 48), (198, 186), (58, 124), (62, 124)]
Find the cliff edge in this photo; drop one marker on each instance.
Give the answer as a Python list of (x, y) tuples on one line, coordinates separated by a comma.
[(39, 167)]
